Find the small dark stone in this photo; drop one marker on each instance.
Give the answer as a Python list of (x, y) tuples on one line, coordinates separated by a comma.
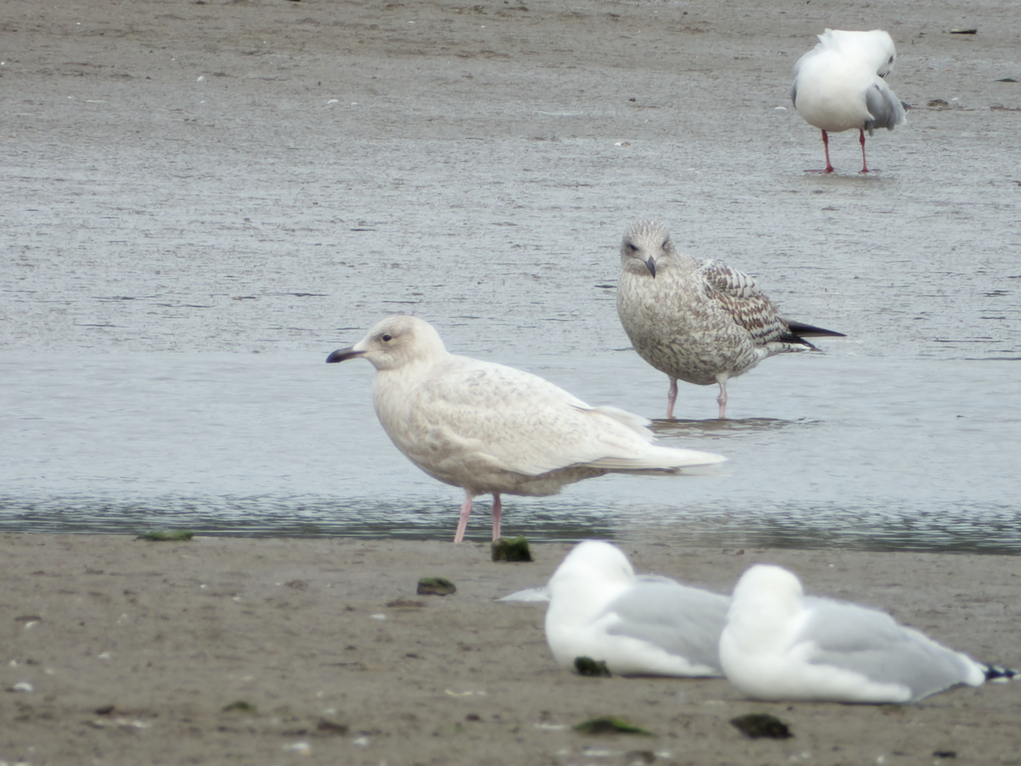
[(240, 706), (405, 603), (329, 727), (472, 717), (945, 753), (435, 586), (104, 710), (755, 725), (610, 725), (511, 549), (172, 535), (586, 666)]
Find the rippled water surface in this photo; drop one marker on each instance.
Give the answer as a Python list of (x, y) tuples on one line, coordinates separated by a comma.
[(285, 444), (179, 259)]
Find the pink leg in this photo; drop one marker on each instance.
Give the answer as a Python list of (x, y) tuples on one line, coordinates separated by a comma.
[(462, 523), (497, 509), (722, 399), (861, 134), (671, 398), (826, 147)]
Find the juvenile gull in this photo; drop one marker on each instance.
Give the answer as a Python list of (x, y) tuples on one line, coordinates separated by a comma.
[(485, 427), (780, 645), (644, 625), (700, 323), (839, 85)]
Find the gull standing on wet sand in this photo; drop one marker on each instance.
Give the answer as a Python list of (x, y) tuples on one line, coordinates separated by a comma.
[(839, 85), (700, 323), (488, 428), (638, 625), (779, 644)]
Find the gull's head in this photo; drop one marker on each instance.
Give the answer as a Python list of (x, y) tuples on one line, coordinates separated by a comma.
[(885, 51), (768, 587), (394, 342), (645, 243), (593, 562), (871, 50), (766, 603)]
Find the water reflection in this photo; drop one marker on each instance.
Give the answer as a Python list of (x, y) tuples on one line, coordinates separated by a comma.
[(948, 528), (681, 428)]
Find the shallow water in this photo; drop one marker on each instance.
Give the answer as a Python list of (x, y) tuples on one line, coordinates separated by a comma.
[(285, 444), (181, 256)]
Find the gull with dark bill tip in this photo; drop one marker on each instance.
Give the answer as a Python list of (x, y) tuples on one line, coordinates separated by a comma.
[(488, 428), (702, 323)]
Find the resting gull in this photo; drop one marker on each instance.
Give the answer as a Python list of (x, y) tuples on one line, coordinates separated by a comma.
[(839, 85), (780, 645), (638, 625), (485, 427), (700, 323)]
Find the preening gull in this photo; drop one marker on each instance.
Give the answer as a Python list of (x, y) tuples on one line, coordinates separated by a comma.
[(485, 427), (700, 323), (839, 85), (780, 645), (642, 625)]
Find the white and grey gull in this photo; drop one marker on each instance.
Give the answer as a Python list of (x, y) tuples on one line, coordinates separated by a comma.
[(702, 323), (779, 644), (636, 624), (840, 85), (488, 428)]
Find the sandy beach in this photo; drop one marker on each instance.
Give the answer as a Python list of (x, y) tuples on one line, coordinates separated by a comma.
[(133, 650)]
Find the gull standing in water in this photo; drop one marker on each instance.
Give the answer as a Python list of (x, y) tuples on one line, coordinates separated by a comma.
[(702, 323), (779, 644), (638, 625), (839, 85), (488, 428)]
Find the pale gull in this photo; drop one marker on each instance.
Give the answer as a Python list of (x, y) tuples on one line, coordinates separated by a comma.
[(839, 85), (485, 427), (780, 645), (637, 625), (702, 323)]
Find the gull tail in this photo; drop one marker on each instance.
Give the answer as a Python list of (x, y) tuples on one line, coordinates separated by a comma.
[(659, 460), (1001, 674)]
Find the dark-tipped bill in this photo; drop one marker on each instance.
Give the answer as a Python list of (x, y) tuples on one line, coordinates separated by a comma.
[(342, 354), (651, 266)]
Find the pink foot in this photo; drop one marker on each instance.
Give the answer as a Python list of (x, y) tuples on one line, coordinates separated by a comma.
[(462, 522)]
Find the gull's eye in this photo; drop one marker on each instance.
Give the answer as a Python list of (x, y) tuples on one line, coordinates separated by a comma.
[(386, 337), (631, 247), (666, 243)]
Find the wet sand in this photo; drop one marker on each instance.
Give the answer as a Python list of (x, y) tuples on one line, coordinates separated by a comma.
[(133, 649)]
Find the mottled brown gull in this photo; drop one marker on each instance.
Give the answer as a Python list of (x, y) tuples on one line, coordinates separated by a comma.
[(779, 644), (839, 85), (488, 428), (700, 323)]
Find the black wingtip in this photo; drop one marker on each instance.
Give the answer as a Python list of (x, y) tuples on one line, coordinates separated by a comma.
[(789, 337), (803, 330), (1000, 673)]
